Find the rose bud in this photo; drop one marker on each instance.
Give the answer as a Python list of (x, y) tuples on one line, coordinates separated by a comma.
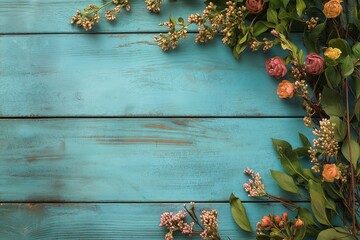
[(284, 216), (332, 8), (254, 6), (277, 219), (266, 222), (285, 89), (331, 172), (298, 223), (276, 67), (314, 64)]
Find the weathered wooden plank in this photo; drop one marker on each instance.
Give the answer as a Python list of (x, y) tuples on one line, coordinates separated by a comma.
[(127, 75), (112, 221), (137, 159), (41, 16)]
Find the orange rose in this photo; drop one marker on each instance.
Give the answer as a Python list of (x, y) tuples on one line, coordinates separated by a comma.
[(331, 172), (285, 89), (332, 8)]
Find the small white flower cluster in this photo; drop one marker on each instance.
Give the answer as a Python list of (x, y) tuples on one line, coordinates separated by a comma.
[(254, 186)]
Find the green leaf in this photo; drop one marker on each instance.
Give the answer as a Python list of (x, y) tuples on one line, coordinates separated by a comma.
[(306, 216), (271, 16), (302, 151), (340, 44), (288, 157), (275, 4), (357, 86), (356, 50), (310, 44), (300, 6), (238, 49), (239, 213), (285, 181), (355, 15), (318, 202), (304, 140), (309, 174), (334, 234), (259, 28), (333, 78), (357, 110), (285, 2), (331, 102), (172, 20), (347, 66), (354, 151), (340, 128)]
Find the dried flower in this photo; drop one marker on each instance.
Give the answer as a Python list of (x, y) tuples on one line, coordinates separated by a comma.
[(285, 89), (314, 64), (331, 172), (254, 6), (209, 219), (326, 141), (332, 53), (276, 67), (332, 8), (175, 223), (153, 5), (254, 187)]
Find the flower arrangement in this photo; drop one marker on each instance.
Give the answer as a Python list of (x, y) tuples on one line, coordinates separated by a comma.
[(322, 70)]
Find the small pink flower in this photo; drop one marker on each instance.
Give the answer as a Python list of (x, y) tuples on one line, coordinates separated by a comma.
[(314, 64), (276, 67), (254, 6)]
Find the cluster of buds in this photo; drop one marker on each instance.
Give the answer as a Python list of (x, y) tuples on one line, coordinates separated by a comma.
[(175, 222), (209, 219), (153, 5), (302, 89), (325, 140), (233, 21), (298, 71), (254, 187), (279, 226), (171, 39), (312, 23), (91, 16), (87, 19)]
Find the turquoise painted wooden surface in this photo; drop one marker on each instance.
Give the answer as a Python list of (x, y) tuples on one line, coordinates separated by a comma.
[(77, 162), (110, 221), (136, 159), (128, 75)]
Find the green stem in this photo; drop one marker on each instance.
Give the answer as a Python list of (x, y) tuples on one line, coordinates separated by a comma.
[(352, 183)]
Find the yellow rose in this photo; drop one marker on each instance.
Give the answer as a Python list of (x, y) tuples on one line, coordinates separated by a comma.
[(285, 89), (332, 8), (331, 172), (333, 53)]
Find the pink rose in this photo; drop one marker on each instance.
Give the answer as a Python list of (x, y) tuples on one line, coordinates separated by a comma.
[(314, 64), (254, 6), (276, 67)]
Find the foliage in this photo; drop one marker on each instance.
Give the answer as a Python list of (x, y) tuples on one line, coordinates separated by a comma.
[(323, 71)]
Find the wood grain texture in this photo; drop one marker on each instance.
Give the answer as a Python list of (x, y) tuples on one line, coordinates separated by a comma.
[(112, 221), (137, 160), (41, 16), (128, 75)]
